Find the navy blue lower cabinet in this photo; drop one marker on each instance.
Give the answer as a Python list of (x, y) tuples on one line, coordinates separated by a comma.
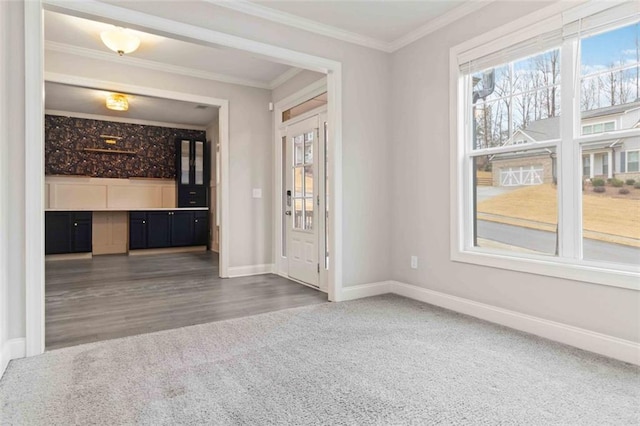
[(68, 232), (182, 228), (137, 230), (201, 228), (82, 235), (159, 229)]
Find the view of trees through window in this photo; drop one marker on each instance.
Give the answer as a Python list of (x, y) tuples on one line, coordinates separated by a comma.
[(516, 106)]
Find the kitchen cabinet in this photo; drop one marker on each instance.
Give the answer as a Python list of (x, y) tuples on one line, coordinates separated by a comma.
[(192, 172), (68, 232), (137, 230), (159, 229), (201, 228)]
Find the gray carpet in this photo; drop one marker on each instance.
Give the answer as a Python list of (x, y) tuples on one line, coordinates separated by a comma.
[(382, 360)]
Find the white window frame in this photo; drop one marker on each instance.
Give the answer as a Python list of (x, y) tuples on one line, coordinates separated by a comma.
[(569, 264), (626, 161)]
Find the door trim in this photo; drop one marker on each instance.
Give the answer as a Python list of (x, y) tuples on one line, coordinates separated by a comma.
[(281, 263), (34, 136)]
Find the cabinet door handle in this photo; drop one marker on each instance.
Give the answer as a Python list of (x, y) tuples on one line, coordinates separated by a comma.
[(75, 224), (196, 220), (144, 221)]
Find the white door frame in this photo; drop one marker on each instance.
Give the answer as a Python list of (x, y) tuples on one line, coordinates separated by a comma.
[(311, 91), (34, 134)]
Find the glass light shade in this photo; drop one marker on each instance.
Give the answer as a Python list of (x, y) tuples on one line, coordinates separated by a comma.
[(117, 102), (120, 40)]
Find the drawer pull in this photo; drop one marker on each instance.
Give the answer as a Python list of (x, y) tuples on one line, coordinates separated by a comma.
[(192, 202), (192, 192), (144, 221), (196, 220)]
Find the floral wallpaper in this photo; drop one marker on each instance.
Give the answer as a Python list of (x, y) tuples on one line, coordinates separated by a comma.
[(66, 138)]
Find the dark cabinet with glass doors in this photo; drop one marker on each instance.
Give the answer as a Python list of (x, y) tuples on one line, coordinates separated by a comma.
[(192, 172)]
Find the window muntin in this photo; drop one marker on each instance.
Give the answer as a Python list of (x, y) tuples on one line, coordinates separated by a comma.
[(479, 144)]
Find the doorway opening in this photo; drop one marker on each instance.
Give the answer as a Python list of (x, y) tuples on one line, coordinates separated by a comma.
[(34, 240)]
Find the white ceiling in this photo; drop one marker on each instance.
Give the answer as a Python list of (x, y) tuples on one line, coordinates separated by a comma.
[(82, 100), (82, 36), (385, 25), (385, 21)]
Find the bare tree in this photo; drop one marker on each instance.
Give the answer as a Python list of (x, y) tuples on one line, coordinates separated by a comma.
[(612, 80), (547, 67)]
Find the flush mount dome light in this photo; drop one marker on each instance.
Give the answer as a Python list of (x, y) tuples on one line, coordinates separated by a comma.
[(120, 40), (117, 102)]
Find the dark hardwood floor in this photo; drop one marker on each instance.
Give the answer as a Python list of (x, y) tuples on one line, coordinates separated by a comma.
[(116, 296)]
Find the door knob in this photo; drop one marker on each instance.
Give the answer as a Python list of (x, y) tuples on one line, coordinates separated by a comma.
[(288, 212)]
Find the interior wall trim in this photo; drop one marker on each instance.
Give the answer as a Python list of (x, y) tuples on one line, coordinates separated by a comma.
[(366, 290), (12, 349), (603, 344), (316, 27), (245, 271)]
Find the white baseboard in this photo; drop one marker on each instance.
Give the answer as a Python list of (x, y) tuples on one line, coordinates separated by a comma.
[(12, 349), (245, 271), (613, 347), (364, 290)]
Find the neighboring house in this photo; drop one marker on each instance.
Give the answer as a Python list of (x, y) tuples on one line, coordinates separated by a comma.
[(620, 159)]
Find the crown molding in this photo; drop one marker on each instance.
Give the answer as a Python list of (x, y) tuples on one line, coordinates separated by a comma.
[(153, 65), (439, 22), (284, 77), (305, 24), (288, 19)]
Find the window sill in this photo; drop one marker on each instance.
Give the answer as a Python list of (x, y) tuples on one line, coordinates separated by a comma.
[(589, 272)]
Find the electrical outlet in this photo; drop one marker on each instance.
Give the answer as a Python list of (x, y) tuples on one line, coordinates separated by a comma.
[(414, 262)]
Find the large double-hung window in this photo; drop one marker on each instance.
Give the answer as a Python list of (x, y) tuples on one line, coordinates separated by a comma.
[(546, 116)]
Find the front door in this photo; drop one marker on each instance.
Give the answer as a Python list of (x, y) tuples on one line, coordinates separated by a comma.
[(302, 200)]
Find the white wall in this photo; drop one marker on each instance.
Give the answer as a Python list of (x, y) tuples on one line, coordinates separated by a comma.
[(4, 185), (13, 152), (420, 195)]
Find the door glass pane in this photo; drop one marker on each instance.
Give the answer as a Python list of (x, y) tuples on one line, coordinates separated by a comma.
[(199, 163), (308, 181), (297, 182), (308, 214), (308, 148), (184, 162), (516, 202), (298, 146), (297, 214)]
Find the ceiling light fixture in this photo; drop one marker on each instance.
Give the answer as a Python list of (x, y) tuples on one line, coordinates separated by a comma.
[(117, 102), (120, 40)]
